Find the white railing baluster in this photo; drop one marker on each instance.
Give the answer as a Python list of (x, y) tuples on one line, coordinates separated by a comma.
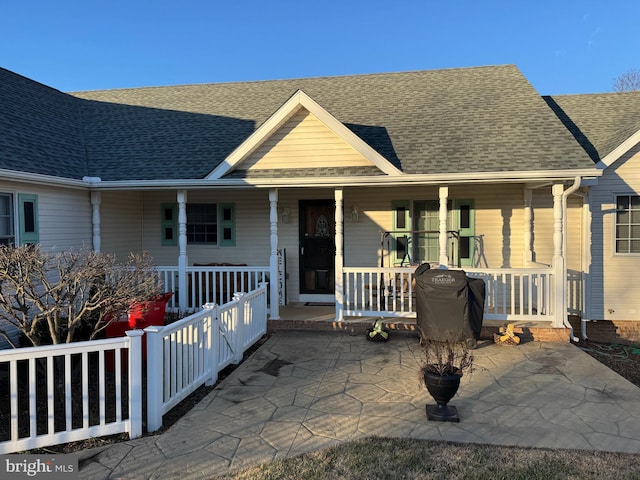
[(101, 393), (50, 402), (511, 294), (201, 345), (85, 390), (118, 383), (67, 392), (54, 366)]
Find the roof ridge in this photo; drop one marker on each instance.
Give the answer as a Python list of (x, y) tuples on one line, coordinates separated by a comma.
[(293, 79)]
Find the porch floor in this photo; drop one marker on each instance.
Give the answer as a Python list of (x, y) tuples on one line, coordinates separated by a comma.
[(301, 316)]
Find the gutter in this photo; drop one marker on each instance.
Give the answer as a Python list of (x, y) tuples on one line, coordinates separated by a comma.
[(354, 181), (569, 191)]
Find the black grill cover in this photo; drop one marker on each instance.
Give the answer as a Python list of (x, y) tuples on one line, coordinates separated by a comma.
[(449, 304)]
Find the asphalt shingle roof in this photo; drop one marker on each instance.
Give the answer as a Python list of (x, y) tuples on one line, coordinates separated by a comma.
[(482, 119), (40, 129), (600, 122)]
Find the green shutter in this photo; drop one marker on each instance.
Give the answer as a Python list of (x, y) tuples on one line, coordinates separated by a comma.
[(466, 231), (28, 218), (169, 224), (401, 235), (227, 225)]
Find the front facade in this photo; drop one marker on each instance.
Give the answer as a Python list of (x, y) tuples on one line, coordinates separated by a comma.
[(333, 189)]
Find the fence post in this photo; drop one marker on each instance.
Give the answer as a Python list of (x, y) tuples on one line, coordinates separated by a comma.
[(213, 342), (240, 327), (263, 308), (135, 382), (155, 367)]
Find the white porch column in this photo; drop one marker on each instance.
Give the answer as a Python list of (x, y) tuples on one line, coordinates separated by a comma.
[(182, 249), (96, 199), (339, 260), (443, 193), (560, 281), (273, 257), (528, 224)]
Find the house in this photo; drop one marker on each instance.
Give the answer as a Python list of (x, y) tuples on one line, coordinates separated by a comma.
[(334, 188)]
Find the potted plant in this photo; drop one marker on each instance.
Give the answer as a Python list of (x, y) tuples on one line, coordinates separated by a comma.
[(443, 367)]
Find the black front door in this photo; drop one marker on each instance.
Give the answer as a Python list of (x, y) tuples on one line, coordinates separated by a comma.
[(317, 246)]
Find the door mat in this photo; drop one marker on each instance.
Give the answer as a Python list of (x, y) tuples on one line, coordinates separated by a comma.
[(319, 304)]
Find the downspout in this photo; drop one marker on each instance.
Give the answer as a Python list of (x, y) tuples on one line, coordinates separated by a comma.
[(585, 260), (569, 191)]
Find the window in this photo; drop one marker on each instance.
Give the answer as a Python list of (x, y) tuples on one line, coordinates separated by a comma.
[(207, 224), (416, 227), (7, 236), (628, 224), (202, 223), (26, 216)]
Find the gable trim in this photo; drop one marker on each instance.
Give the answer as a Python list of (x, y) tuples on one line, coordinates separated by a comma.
[(297, 101), (619, 151)]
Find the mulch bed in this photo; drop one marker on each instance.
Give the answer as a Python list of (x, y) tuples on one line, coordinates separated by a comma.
[(623, 359)]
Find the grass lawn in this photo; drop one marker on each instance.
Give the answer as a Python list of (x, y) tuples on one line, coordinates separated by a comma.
[(393, 459)]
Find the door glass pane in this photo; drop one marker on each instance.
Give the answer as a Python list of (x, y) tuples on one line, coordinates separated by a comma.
[(465, 217)]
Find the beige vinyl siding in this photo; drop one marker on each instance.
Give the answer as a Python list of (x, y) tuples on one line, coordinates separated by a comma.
[(121, 223), (64, 215), (614, 287), (499, 222), (543, 228), (303, 141), (251, 223), (64, 221)]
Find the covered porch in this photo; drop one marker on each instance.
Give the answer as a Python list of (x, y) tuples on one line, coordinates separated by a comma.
[(539, 295)]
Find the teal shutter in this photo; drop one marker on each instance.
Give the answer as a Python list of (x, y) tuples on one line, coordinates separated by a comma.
[(401, 235), (169, 224), (227, 225), (466, 231), (28, 218)]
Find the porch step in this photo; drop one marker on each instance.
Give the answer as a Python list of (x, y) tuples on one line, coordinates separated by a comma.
[(527, 331)]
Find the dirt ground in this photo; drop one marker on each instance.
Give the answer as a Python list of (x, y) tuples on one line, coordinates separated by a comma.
[(623, 359)]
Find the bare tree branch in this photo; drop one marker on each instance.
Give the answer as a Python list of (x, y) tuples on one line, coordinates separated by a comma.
[(72, 295), (627, 82)]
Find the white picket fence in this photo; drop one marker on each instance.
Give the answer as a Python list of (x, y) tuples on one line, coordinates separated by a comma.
[(76, 376), (180, 357), (191, 351)]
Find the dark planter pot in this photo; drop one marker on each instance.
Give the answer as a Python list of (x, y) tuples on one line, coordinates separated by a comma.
[(442, 388)]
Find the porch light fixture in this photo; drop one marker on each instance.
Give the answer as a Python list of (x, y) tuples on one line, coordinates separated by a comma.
[(284, 215), (355, 214)]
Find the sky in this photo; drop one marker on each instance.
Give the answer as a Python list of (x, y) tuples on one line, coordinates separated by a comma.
[(561, 46)]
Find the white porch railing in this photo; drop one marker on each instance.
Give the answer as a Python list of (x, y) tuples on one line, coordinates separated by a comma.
[(71, 381), (512, 293), (211, 284), (191, 351)]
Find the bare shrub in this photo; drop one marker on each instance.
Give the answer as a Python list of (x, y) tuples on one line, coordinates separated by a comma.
[(69, 296)]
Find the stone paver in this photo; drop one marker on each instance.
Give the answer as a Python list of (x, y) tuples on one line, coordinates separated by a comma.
[(303, 391)]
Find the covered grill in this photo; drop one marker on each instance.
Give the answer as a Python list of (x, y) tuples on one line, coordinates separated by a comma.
[(449, 304)]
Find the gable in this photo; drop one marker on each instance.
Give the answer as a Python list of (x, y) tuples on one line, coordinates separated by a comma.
[(285, 123), (303, 142)]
